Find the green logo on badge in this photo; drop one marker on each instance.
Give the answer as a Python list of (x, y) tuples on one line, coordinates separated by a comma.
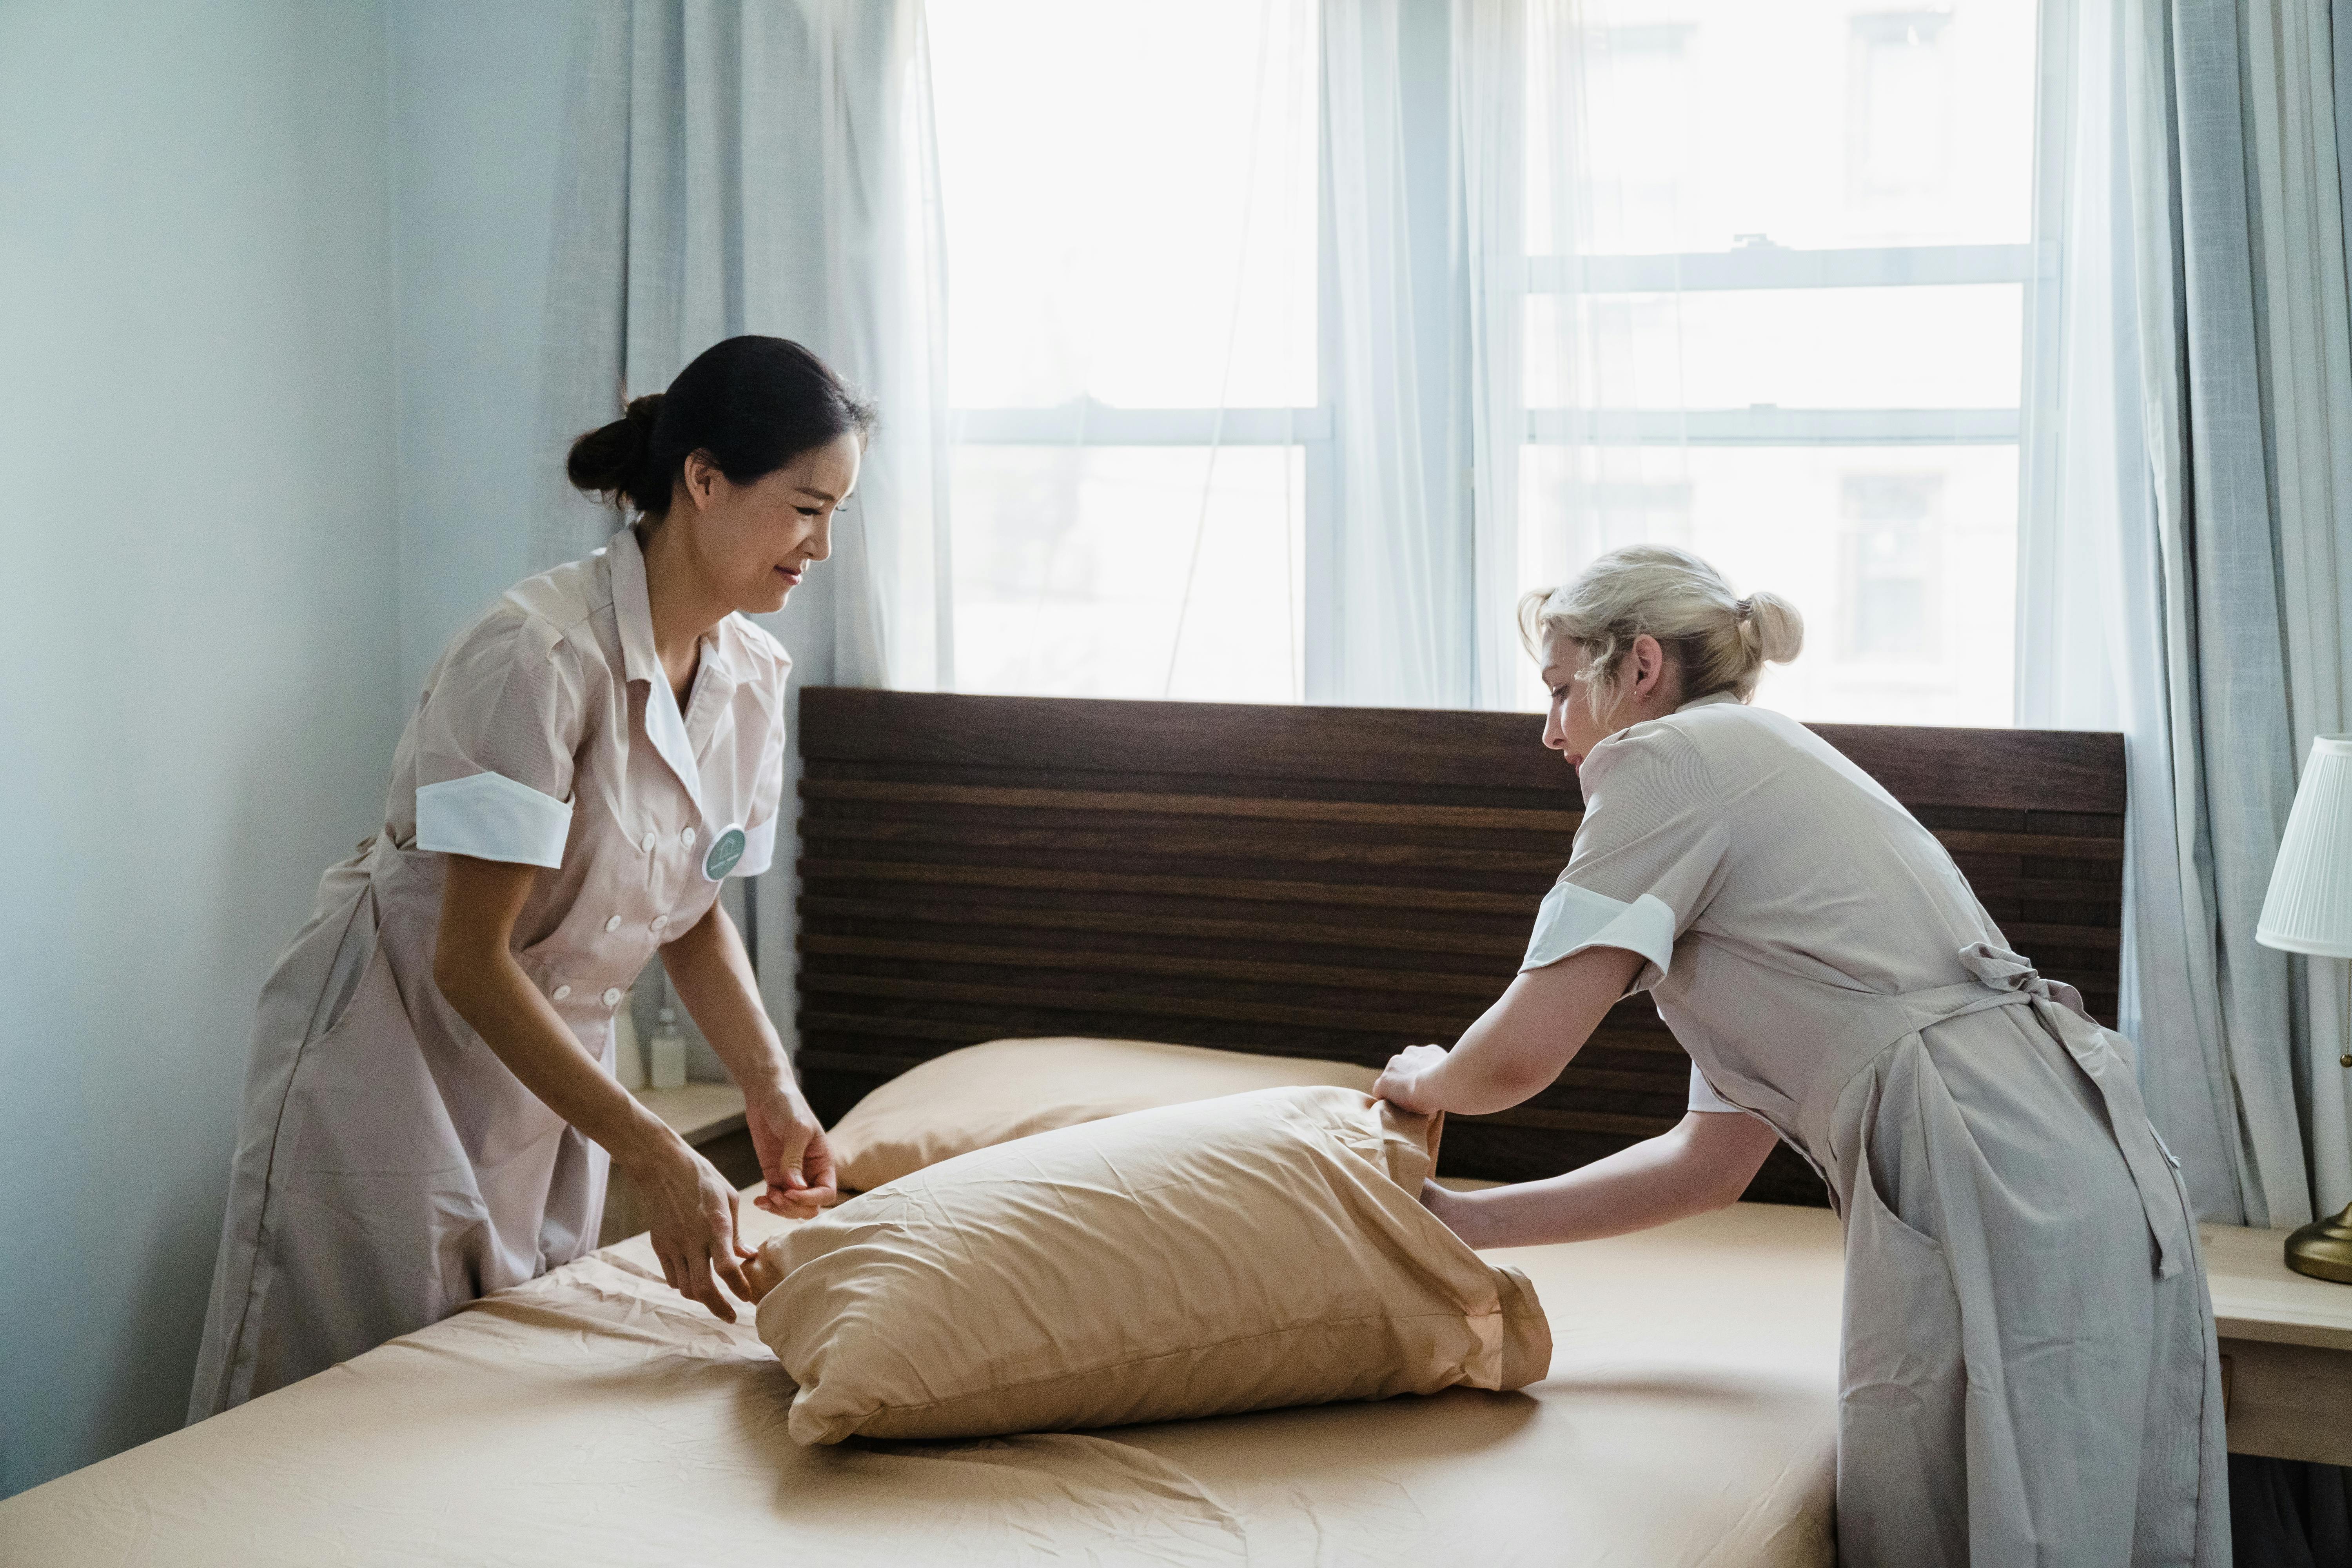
[(725, 851)]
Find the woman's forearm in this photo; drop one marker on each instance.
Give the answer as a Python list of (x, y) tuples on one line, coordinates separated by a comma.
[(1706, 1163), (711, 974), (1521, 1043), (1498, 1063)]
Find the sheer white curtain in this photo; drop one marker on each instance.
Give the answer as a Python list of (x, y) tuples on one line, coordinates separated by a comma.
[(743, 167), (1492, 64), (2094, 629), (1393, 589), (1565, 465), (2189, 544), (1208, 429), (1130, 192)]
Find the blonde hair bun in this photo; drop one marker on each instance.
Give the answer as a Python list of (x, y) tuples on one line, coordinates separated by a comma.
[(1721, 641), (1778, 626)]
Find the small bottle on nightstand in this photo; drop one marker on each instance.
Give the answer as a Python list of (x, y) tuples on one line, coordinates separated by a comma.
[(668, 1052), (628, 1056)]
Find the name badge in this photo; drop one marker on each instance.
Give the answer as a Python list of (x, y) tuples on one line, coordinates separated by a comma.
[(725, 851)]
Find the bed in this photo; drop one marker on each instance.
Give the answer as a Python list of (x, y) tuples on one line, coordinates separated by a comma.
[(1332, 882)]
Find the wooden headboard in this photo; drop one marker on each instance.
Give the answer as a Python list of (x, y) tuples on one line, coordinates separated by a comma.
[(1333, 882)]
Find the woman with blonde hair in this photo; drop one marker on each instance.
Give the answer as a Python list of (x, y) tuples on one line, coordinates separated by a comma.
[(2029, 1372)]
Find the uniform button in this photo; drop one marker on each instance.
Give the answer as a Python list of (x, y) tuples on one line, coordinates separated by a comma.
[(689, 836), (613, 924), (612, 994), (649, 841), (562, 992), (661, 923)]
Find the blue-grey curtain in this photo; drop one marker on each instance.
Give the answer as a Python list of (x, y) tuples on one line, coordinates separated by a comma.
[(2233, 144), (2246, 378), (2186, 570)]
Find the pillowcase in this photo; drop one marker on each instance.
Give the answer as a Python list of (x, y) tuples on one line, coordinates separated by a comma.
[(1237, 1254), (1004, 1089)]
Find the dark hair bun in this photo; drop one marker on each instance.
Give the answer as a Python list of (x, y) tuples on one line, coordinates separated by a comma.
[(751, 404), (615, 460)]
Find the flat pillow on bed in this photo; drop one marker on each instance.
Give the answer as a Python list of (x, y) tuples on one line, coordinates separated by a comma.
[(1004, 1089), (1238, 1254)]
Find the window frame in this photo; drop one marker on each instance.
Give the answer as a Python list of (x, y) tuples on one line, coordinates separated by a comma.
[(1760, 266)]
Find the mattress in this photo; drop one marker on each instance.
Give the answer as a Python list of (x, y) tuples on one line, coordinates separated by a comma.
[(594, 1417)]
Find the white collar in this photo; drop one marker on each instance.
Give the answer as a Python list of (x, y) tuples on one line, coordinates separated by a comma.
[(633, 606)]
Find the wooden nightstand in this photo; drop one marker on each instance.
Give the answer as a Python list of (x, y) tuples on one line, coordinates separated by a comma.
[(2286, 1349), (709, 1116)]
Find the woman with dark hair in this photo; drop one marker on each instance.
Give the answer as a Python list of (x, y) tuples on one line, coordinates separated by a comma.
[(430, 1105)]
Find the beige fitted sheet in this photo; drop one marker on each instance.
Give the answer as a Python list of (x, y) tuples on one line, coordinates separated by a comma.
[(594, 1417)]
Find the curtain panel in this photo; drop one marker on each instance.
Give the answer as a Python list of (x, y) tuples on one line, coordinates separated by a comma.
[(2192, 446), (737, 167), (1394, 600)]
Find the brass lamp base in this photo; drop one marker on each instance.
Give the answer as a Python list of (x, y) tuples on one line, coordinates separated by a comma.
[(2323, 1248)]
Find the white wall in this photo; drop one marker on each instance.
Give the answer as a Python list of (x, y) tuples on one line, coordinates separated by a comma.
[(197, 630), (477, 94)]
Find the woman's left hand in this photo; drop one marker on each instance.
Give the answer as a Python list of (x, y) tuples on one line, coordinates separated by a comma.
[(1403, 1082), (793, 1155)]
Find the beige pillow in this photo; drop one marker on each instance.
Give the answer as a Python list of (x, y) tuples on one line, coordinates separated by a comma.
[(1005, 1089), (1238, 1254)]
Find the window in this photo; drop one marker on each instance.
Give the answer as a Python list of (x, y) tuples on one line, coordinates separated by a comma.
[(1129, 201), (1778, 275), (1787, 281), (1891, 546), (1898, 142)]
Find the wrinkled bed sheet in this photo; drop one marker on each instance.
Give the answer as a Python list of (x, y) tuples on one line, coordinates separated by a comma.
[(594, 1417)]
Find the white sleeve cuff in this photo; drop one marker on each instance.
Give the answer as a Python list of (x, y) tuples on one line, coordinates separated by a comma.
[(492, 817), (1703, 1096), (1573, 918), (758, 849)]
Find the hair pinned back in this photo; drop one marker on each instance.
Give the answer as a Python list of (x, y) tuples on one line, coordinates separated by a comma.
[(1722, 642), (613, 460), (751, 404)]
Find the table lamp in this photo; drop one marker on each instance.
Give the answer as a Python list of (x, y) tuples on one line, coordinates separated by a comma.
[(2309, 909)]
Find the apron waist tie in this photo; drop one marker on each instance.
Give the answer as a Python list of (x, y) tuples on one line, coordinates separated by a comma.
[(2004, 979)]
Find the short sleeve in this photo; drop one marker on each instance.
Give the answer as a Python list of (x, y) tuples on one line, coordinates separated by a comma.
[(496, 735), (1703, 1096), (1572, 919), (1653, 840)]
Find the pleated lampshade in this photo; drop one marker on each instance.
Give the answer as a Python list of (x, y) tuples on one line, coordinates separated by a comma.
[(2309, 909)]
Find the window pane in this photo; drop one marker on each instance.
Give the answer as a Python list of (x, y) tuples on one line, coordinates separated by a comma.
[(1956, 346), (1809, 121), (1130, 197), (1071, 565), (1903, 560)]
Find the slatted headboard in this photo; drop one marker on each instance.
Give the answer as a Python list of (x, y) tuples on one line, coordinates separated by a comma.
[(1333, 882)]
